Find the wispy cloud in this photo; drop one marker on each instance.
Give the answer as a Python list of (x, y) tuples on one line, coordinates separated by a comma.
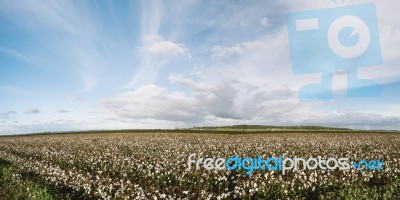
[(16, 91), (223, 52), (157, 50), (62, 111), (79, 34), (78, 98), (264, 22), (16, 54), (9, 114), (32, 111)]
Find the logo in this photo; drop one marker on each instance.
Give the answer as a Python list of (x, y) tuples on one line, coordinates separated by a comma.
[(328, 40), (280, 164)]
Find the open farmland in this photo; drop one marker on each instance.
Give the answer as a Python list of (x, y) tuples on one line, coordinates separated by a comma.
[(153, 165)]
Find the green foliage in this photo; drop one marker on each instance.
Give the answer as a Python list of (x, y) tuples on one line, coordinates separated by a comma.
[(15, 187)]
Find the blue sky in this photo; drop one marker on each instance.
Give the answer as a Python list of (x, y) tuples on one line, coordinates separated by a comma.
[(78, 65)]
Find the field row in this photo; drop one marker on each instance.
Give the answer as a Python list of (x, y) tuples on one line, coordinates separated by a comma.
[(154, 165)]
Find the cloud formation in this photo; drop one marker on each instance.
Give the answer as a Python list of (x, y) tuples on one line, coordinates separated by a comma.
[(154, 102), (62, 111), (158, 64), (32, 111), (230, 100), (157, 46), (8, 114), (264, 22)]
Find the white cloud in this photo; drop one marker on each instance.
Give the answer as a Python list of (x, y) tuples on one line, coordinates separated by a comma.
[(157, 46), (356, 119), (39, 127), (222, 103), (154, 102), (181, 80), (230, 100), (222, 52), (264, 22)]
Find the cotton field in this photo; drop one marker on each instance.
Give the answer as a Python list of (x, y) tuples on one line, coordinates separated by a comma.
[(153, 165)]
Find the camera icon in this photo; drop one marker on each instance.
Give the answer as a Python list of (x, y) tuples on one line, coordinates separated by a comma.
[(327, 40)]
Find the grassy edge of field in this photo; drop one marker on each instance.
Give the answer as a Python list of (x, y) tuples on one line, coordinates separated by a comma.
[(14, 186), (234, 129), (17, 183)]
